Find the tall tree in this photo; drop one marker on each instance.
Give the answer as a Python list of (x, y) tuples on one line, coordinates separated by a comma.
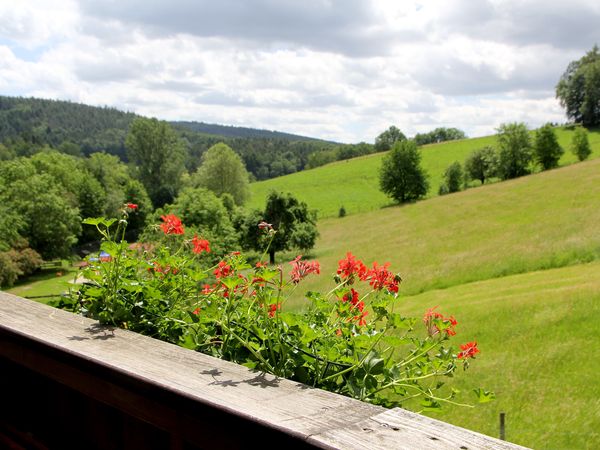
[(159, 157), (222, 171), (515, 153), (401, 176), (481, 164), (293, 223), (578, 89), (388, 138), (547, 151)]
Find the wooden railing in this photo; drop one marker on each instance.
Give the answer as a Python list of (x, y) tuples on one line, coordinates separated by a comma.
[(67, 382)]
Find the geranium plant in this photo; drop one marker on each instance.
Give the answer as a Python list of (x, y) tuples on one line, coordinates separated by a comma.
[(348, 340)]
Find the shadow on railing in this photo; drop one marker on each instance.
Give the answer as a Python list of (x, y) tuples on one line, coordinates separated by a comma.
[(67, 382)]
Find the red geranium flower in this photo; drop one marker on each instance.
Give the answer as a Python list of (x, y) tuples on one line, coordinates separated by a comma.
[(301, 269), (432, 328), (172, 224), (469, 350), (273, 309), (223, 270), (200, 245), (350, 266), (380, 277), (131, 206)]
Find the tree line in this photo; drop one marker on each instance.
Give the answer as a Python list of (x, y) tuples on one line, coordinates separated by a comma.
[(29, 125), (45, 196)]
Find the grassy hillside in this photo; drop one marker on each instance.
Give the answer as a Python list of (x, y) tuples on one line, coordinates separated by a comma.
[(479, 255), (354, 183), (537, 333), (542, 221)]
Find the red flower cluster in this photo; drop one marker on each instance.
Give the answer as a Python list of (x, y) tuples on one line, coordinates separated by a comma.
[(164, 270), (200, 245), (301, 269), (350, 266), (132, 206), (356, 303), (223, 270), (172, 224), (469, 350), (273, 309), (380, 277), (432, 316)]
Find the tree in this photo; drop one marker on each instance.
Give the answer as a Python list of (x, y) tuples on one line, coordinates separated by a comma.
[(580, 145), (547, 151), (159, 157), (202, 211), (401, 176), (481, 164), (222, 171), (514, 155), (294, 225), (453, 178), (578, 89), (388, 138), (439, 135)]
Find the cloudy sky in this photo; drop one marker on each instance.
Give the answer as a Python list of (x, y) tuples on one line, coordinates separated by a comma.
[(336, 69)]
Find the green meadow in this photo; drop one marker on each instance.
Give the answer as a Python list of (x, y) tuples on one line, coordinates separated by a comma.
[(518, 264), (354, 183)]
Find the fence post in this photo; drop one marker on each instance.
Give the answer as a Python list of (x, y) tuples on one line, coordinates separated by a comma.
[(502, 426)]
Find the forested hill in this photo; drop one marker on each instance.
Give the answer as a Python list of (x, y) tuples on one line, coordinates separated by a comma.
[(239, 132), (29, 124)]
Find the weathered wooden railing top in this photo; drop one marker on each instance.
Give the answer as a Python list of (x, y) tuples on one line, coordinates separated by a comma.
[(178, 389)]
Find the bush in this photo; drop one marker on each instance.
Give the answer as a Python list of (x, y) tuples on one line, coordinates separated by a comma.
[(514, 150), (481, 165), (9, 269), (234, 311), (342, 212), (580, 145), (547, 151), (453, 177)]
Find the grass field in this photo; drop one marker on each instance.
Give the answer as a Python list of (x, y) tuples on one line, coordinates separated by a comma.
[(546, 220), (538, 337), (49, 284), (354, 183), (518, 263)]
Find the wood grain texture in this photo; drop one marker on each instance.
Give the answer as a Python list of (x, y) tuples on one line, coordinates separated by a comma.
[(143, 376)]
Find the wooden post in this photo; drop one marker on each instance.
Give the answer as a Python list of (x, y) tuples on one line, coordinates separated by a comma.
[(502, 426)]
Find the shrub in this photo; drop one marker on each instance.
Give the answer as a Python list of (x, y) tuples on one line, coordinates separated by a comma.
[(481, 164), (580, 145), (453, 177), (236, 311), (342, 212), (547, 150), (514, 154)]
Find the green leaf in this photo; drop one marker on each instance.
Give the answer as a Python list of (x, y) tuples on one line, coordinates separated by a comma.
[(484, 396), (374, 364)]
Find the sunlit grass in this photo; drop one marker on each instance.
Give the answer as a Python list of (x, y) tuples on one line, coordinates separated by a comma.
[(354, 183), (538, 337), (45, 286), (541, 221)]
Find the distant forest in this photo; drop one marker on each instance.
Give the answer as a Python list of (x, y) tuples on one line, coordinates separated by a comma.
[(27, 125)]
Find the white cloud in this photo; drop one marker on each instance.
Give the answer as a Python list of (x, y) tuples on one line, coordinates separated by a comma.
[(331, 69)]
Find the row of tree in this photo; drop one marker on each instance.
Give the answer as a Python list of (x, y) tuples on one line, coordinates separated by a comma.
[(44, 197), (516, 154), (29, 125)]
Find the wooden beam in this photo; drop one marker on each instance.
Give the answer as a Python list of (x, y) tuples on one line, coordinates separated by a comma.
[(200, 399)]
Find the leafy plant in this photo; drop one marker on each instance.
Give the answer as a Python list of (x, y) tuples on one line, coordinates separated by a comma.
[(349, 340)]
